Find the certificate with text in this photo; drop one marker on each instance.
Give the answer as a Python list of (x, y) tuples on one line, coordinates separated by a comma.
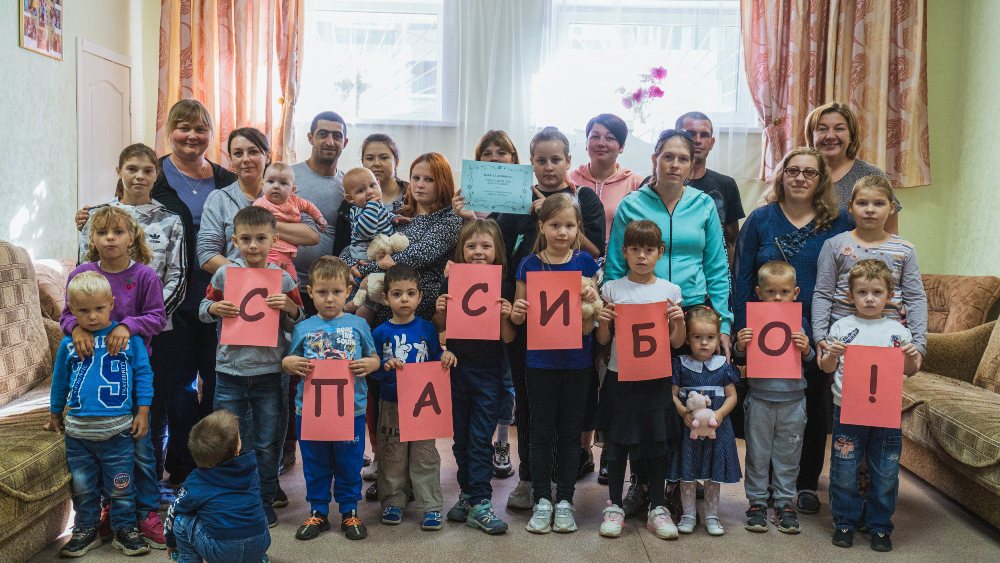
[(497, 187)]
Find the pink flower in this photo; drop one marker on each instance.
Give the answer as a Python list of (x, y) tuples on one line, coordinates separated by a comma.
[(627, 102), (638, 95), (847, 251), (659, 73), (655, 92)]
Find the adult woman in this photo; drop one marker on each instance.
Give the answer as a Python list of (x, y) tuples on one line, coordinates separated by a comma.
[(494, 146), (433, 232), (249, 154), (185, 180), (696, 256), (833, 130), (606, 135), (802, 214)]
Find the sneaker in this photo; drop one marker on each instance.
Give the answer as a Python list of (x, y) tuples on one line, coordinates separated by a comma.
[(392, 515), (370, 473), (460, 512), (151, 530), (843, 537), (808, 502), (316, 524), (541, 518), (614, 521), (83, 540), (286, 463), (502, 467), (714, 526), (129, 541), (686, 524), (482, 516), (881, 542), (586, 464), (272, 518), (521, 496), (372, 492), (432, 520), (786, 519), (660, 523), (602, 474), (757, 518), (636, 499), (563, 522), (352, 527), (104, 528), (280, 498)]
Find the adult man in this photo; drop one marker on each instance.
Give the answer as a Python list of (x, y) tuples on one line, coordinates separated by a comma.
[(720, 187), (318, 180)]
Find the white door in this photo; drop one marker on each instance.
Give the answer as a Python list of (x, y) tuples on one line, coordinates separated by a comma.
[(105, 119)]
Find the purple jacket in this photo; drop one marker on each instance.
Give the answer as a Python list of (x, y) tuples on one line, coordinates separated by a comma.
[(138, 294)]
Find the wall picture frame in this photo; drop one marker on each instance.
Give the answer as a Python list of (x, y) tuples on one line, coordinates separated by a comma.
[(42, 27)]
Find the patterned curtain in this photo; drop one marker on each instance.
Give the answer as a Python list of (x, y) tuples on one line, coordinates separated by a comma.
[(241, 58), (870, 54)]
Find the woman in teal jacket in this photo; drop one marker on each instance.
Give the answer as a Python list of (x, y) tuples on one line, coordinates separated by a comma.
[(695, 258)]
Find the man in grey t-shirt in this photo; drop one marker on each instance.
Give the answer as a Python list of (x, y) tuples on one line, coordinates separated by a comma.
[(320, 182)]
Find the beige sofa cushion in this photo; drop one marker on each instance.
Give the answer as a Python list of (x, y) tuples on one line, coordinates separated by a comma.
[(988, 373), (52, 276), (967, 426), (24, 350)]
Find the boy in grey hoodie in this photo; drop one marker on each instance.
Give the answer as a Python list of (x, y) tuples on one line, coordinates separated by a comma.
[(249, 380), (775, 415)]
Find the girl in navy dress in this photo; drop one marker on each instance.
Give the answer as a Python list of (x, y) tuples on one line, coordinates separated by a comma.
[(716, 461)]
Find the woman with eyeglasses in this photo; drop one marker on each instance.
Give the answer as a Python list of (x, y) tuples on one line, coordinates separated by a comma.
[(801, 214)]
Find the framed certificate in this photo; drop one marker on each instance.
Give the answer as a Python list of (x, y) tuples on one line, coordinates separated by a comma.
[(497, 187)]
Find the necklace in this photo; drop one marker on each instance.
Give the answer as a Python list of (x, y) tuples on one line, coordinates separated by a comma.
[(193, 187), (545, 258)]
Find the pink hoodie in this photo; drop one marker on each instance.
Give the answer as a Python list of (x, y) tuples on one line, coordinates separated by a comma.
[(611, 191)]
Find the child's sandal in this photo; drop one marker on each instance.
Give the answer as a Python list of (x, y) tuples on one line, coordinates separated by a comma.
[(686, 525), (714, 526)]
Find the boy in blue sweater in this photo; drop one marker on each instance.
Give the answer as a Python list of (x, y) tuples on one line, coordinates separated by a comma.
[(405, 339), (218, 515), (99, 426), (332, 335), (775, 415)]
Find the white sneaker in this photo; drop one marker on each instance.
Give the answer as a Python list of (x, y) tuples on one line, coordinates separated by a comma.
[(370, 473), (714, 526), (686, 525), (614, 521), (521, 496), (541, 518), (564, 521), (659, 522)]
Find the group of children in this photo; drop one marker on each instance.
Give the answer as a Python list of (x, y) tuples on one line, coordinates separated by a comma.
[(114, 306)]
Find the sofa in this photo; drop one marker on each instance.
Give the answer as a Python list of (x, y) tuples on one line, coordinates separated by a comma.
[(951, 418), (34, 478), (956, 303)]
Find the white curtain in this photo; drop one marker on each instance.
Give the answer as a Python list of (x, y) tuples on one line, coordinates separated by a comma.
[(519, 65)]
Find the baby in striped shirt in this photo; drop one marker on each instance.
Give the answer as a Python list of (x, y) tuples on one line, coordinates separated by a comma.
[(369, 218)]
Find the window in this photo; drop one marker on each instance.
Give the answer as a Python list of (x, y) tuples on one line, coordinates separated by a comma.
[(376, 59), (598, 47)]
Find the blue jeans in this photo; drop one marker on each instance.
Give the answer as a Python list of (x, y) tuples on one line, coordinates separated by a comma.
[(147, 490), (475, 396), (505, 414), (103, 465), (882, 447), (261, 404), (193, 544), (339, 462)]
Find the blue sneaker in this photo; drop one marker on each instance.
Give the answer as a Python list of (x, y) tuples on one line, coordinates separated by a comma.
[(392, 515), (432, 521), (460, 511), (482, 516)]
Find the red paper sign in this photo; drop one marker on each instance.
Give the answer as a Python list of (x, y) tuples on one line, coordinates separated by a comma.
[(473, 311), (328, 402), (642, 340), (257, 324), (872, 386), (772, 354), (555, 311), (424, 394)]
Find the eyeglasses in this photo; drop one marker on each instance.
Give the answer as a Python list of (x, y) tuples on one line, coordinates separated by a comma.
[(794, 171), (667, 133)]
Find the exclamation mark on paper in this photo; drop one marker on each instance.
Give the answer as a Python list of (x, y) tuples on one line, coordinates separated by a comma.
[(873, 383)]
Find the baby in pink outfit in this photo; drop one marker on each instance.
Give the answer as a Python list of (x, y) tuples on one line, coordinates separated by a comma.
[(278, 197)]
